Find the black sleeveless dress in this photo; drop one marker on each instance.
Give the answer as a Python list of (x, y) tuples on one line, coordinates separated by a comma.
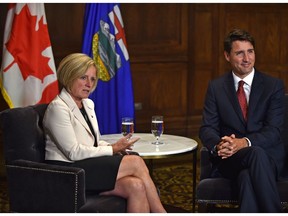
[(100, 172)]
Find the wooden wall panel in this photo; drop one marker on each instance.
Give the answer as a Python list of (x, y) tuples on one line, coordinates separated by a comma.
[(161, 90), (156, 32), (157, 37), (202, 57), (284, 48), (283, 39), (65, 26), (203, 41)]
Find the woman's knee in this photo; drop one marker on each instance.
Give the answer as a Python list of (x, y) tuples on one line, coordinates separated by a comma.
[(135, 185), (136, 162), (138, 185)]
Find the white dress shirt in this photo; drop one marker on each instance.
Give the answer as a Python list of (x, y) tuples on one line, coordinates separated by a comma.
[(247, 83), (247, 89)]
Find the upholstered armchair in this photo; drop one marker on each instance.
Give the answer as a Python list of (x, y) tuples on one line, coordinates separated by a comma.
[(218, 192), (36, 187)]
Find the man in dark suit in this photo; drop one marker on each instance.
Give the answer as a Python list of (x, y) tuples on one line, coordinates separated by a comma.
[(246, 146)]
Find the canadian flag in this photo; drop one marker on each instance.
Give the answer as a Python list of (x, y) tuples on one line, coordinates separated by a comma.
[(28, 74)]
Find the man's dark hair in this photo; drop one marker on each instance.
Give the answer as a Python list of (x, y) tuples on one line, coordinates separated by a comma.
[(237, 35)]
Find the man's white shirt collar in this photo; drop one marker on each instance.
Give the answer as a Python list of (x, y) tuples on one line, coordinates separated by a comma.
[(248, 79)]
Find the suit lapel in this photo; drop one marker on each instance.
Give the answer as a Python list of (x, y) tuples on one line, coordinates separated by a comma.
[(89, 108), (255, 94), (65, 96), (232, 96)]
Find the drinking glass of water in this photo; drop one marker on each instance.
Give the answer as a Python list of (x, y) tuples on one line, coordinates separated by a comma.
[(157, 128), (127, 126)]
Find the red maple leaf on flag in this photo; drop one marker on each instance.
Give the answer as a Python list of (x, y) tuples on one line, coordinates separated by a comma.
[(26, 45)]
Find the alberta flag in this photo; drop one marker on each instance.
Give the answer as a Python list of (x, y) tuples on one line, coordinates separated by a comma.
[(104, 40), (28, 74)]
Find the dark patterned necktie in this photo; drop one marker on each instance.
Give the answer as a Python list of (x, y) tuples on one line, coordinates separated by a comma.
[(242, 99)]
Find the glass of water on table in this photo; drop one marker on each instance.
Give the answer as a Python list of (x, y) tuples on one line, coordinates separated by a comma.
[(157, 128), (127, 126)]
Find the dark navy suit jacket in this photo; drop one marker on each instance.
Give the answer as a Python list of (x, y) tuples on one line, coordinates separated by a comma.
[(222, 114)]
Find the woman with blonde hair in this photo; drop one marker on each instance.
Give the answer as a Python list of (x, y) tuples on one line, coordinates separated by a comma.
[(73, 139)]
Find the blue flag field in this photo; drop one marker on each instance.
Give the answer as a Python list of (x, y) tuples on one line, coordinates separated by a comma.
[(104, 40)]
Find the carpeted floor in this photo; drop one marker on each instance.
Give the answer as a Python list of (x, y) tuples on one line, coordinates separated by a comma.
[(4, 205), (174, 183)]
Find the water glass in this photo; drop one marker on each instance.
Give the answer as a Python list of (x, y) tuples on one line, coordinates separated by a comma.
[(157, 128), (127, 126)]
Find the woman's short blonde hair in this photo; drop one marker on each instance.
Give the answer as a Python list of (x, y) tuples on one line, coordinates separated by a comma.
[(72, 67)]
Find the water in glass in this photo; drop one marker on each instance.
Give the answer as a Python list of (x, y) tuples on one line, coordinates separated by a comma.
[(127, 126), (157, 128)]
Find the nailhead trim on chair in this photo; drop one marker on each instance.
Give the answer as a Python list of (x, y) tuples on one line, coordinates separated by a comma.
[(218, 201), (55, 171), (234, 202)]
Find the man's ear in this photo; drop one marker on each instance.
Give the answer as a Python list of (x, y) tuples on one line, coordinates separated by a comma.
[(227, 56)]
